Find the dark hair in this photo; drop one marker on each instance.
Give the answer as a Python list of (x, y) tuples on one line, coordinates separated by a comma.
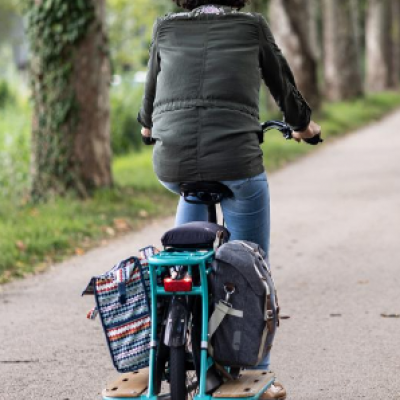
[(192, 4)]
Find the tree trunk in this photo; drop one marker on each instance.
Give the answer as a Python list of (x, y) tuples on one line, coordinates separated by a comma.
[(292, 22), (398, 39), (395, 43), (70, 75), (91, 80), (342, 71), (378, 45), (315, 37)]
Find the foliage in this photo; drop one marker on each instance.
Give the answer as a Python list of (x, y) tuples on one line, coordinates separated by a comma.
[(6, 95), (130, 29), (125, 130), (14, 144), (8, 9), (54, 28), (11, 5)]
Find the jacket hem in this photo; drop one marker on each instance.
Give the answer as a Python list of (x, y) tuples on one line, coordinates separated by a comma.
[(214, 176)]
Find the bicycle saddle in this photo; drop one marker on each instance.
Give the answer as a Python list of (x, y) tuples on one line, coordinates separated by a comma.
[(195, 235), (204, 192)]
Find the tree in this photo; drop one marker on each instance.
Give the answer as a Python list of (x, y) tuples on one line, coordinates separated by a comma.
[(342, 71), (70, 80), (293, 25), (395, 43), (130, 26), (378, 45)]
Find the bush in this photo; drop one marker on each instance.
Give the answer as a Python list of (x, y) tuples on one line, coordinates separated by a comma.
[(125, 130), (6, 95), (15, 124)]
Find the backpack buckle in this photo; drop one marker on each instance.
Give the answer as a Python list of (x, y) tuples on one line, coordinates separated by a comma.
[(229, 289)]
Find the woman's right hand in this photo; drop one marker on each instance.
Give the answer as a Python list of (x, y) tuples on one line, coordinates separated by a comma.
[(312, 130), (146, 132)]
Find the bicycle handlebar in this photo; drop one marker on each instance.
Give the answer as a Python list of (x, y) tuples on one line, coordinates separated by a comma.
[(282, 127), (286, 131)]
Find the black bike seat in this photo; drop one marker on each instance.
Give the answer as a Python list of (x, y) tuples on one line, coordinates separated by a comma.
[(205, 192), (195, 235)]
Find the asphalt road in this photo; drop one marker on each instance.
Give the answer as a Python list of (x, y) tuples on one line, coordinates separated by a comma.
[(336, 261)]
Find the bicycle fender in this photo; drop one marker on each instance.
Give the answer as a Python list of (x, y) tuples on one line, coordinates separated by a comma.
[(177, 323)]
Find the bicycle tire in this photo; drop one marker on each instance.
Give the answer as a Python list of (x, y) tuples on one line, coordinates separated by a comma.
[(177, 372)]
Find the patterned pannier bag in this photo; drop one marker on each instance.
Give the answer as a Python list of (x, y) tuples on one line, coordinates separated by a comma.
[(122, 301)]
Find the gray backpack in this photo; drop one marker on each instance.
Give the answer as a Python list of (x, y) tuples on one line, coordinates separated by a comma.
[(246, 312)]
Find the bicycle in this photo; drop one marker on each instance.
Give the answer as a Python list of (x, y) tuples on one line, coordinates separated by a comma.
[(179, 345)]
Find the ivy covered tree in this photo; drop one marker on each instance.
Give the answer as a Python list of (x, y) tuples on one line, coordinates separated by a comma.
[(70, 84)]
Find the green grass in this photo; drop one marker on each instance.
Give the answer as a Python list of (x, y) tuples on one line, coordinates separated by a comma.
[(15, 122), (33, 236), (136, 170)]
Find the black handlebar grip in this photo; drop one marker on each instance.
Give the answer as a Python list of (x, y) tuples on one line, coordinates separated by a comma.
[(148, 140), (314, 140)]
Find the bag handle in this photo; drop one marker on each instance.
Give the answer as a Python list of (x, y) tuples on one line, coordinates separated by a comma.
[(122, 272)]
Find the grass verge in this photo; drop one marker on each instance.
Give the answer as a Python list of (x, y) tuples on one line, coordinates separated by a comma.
[(31, 237)]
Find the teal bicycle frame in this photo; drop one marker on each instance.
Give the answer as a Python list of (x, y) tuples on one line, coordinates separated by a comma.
[(157, 264)]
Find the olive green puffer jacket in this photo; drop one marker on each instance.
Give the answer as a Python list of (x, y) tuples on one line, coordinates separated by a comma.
[(202, 93)]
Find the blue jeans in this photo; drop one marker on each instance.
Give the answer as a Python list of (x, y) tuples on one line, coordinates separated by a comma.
[(247, 214)]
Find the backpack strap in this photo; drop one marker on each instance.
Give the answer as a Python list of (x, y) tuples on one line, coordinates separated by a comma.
[(268, 312), (222, 309)]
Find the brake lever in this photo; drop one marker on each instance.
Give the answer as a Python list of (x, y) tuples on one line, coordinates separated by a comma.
[(287, 133), (148, 140)]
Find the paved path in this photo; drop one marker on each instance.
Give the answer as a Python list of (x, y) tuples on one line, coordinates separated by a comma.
[(336, 259)]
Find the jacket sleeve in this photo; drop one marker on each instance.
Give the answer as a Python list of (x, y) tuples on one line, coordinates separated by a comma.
[(153, 68), (279, 78)]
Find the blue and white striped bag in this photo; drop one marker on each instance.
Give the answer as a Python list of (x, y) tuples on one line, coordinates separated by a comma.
[(122, 301)]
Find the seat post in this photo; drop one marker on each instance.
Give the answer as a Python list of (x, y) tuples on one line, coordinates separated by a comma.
[(212, 213), (208, 193)]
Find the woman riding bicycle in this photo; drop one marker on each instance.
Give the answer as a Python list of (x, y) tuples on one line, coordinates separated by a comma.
[(201, 108)]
